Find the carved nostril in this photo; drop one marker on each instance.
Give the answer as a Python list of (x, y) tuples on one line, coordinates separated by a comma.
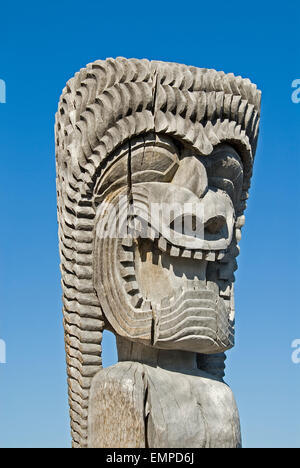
[(215, 224), (189, 225)]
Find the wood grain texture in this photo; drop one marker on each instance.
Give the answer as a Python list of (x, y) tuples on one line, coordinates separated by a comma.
[(116, 411), (137, 405)]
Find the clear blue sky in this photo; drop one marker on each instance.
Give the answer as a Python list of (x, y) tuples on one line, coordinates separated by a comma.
[(42, 45)]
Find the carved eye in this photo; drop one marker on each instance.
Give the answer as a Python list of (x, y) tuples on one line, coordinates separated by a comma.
[(225, 171)]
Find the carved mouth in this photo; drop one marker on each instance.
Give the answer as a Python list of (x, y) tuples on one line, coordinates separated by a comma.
[(172, 283), (156, 271)]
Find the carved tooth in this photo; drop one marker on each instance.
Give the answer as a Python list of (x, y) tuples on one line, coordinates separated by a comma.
[(174, 252), (240, 221), (198, 255), (132, 287), (238, 235), (151, 233), (210, 256), (162, 244), (125, 255), (186, 253), (225, 290), (127, 271), (221, 254), (127, 241), (136, 301), (231, 253), (186, 283)]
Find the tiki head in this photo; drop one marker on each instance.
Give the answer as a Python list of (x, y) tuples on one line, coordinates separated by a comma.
[(154, 162)]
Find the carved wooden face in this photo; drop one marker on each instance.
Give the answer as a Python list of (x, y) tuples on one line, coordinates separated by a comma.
[(166, 242)]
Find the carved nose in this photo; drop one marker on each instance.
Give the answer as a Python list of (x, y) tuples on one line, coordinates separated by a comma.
[(192, 175)]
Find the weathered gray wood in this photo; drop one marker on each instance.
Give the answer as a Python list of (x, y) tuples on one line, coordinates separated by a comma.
[(138, 405), (116, 411), (132, 135)]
